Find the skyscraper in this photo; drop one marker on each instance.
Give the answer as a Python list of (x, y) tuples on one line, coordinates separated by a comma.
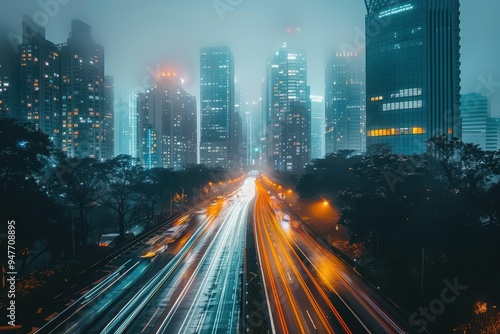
[(237, 148), (167, 135), (412, 72), (474, 109), (345, 103), (217, 107), (108, 125), (39, 81), (492, 134), (83, 102), (317, 127), (9, 65), (125, 119), (287, 111)]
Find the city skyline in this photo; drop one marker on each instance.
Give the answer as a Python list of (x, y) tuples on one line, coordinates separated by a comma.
[(315, 37), (241, 166)]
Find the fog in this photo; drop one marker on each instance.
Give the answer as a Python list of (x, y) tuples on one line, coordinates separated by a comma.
[(140, 37)]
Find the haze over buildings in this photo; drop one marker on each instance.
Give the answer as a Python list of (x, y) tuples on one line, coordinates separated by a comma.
[(252, 31)]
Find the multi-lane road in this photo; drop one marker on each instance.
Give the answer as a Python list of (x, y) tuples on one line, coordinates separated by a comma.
[(197, 285), (310, 290)]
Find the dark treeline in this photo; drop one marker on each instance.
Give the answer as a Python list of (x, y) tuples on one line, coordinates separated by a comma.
[(442, 206), (41, 188)]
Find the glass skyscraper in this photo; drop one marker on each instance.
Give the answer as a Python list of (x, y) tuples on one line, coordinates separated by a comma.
[(317, 127), (108, 127), (217, 107), (287, 106), (412, 72), (345, 114)]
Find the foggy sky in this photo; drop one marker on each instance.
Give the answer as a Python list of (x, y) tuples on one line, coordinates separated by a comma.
[(142, 35)]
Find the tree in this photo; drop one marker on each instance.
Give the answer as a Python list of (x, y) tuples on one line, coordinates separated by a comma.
[(153, 186), (329, 175), (445, 154), (477, 167), (120, 177), (25, 152), (379, 204), (78, 184)]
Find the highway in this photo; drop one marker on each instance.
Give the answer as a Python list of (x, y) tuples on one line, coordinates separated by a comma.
[(192, 286), (296, 302), (204, 295), (195, 285), (350, 303)]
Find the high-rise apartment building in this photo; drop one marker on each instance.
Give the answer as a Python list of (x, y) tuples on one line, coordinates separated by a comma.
[(345, 103), (9, 75), (287, 108), (39, 81), (412, 72), (83, 102), (167, 135), (217, 94)]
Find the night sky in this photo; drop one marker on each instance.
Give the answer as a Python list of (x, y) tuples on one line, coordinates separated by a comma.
[(141, 36)]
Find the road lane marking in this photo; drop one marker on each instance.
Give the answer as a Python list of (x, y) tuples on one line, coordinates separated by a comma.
[(311, 319), (150, 320)]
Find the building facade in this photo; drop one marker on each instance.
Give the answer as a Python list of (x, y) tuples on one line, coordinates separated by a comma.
[(317, 127), (9, 75), (492, 134), (345, 99), (475, 112), (83, 105), (167, 135), (412, 72), (287, 108), (217, 105), (39, 81), (108, 125)]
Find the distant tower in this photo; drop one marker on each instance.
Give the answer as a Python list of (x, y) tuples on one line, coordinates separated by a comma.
[(287, 107), (167, 135), (475, 112), (345, 103), (217, 107), (108, 126), (39, 81), (492, 134), (412, 72), (83, 99), (317, 127)]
